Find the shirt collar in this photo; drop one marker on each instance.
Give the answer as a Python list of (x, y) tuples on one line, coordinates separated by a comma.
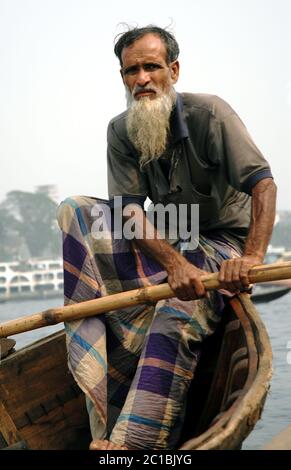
[(179, 129)]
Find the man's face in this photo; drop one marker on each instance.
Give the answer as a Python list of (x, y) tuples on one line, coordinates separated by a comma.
[(145, 71)]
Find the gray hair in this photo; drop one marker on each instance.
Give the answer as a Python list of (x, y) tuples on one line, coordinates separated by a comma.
[(129, 37)]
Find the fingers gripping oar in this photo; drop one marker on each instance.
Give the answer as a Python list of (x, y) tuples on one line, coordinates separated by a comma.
[(263, 273)]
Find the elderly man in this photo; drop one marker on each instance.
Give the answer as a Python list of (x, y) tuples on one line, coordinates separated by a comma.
[(174, 149)]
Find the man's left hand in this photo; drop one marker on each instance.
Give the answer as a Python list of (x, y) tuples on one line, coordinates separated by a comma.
[(234, 272)]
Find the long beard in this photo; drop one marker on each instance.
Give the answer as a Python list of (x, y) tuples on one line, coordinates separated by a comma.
[(148, 123)]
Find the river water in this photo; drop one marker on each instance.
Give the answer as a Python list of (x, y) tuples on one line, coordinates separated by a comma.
[(276, 316)]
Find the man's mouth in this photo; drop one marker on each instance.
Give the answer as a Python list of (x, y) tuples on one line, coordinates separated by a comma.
[(143, 93)]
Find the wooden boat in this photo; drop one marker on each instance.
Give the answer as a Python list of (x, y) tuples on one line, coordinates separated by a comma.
[(268, 292), (41, 407)]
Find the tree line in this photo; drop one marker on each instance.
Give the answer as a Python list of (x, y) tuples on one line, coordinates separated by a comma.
[(28, 226)]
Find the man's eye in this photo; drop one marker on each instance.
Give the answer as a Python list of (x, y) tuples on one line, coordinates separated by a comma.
[(130, 71), (146, 67), (151, 67)]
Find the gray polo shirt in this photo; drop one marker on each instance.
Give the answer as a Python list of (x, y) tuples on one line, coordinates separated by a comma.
[(213, 162)]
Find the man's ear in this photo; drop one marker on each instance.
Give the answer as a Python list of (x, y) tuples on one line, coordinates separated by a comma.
[(175, 69)]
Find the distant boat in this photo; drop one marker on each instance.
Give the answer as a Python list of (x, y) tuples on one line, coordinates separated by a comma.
[(268, 292), (31, 279)]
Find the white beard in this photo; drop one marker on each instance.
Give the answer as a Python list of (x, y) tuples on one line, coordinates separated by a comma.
[(148, 123)]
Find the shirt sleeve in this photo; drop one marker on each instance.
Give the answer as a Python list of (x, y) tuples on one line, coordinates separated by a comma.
[(233, 146), (124, 176)]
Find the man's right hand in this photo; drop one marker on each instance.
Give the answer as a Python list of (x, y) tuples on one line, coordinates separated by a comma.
[(185, 280)]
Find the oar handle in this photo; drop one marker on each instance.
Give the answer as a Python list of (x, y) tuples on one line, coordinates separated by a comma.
[(145, 295)]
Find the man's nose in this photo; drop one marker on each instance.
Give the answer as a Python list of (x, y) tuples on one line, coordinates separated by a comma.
[(143, 77)]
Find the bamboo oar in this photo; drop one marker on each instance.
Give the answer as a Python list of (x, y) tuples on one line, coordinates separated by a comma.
[(263, 273)]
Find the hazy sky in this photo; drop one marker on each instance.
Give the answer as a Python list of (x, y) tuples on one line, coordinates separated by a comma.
[(60, 83)]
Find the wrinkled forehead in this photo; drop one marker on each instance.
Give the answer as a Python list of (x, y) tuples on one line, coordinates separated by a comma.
[(148, 47)]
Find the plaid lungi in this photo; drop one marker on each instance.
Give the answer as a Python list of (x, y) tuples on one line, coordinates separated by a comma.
[(135, 365)]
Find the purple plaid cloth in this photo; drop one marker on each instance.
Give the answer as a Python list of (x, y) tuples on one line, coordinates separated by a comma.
[(135, 364)]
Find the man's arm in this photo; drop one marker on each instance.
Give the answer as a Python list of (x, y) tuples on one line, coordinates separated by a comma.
[(234, 272), (184, 277)]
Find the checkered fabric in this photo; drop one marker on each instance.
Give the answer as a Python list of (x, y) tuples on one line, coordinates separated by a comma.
[(135, 364)]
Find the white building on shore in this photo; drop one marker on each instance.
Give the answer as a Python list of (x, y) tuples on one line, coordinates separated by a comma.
[(34, 278)]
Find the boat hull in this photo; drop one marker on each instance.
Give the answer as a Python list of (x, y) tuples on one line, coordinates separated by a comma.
[(41, 407)]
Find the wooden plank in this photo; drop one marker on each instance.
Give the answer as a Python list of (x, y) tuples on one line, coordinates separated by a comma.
[(41, 397), (8, 429), (30, 373)]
